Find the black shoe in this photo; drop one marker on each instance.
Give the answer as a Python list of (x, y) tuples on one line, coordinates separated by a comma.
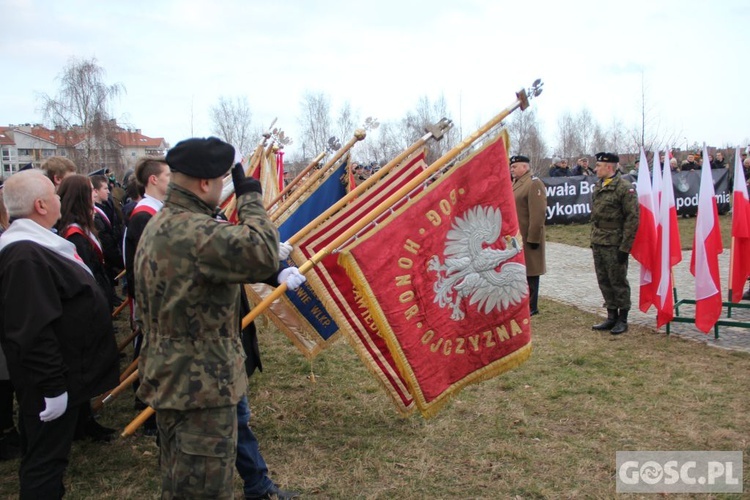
[(274, 493), (95, 432), (534, 312), (622, 323), (10, 445), (608, 323)]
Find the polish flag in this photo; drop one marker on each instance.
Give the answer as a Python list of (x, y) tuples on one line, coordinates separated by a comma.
[(668, 250), (644, 244), (740, 253), (704, 262)]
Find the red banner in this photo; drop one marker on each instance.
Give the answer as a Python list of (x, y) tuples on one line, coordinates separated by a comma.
[(445, 281), (342, 300)]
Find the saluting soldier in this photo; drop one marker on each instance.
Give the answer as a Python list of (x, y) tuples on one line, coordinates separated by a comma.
[(531, 207), (189, 269), (614, 221)]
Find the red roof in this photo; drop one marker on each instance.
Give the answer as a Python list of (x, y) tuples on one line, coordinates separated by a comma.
[(6, 139), (134, 139)]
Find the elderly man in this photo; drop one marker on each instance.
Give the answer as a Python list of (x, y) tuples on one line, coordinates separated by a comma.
[(531, 207), (189, 268), (55, 329), (614, 221)]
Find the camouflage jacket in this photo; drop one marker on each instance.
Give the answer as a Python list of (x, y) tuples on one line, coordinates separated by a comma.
[(614, 214), (188, 269)]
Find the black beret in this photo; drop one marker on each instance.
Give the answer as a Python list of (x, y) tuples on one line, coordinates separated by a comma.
[(201, 158), (607, 158), (519, 159)]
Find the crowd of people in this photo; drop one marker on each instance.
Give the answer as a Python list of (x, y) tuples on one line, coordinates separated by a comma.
[(691, 161), (67, 239), (614, 221)]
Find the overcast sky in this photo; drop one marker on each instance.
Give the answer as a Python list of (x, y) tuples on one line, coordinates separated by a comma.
[(176, 58)]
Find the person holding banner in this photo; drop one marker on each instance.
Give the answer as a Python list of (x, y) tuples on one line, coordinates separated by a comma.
[(614, 221), (189, 268), (531, 208)]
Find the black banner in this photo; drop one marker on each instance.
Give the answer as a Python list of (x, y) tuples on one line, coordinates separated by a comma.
[(569, 198)]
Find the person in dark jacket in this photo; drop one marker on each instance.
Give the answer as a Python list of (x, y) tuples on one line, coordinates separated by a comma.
[(108, 226), (559, 168), (55, 330)]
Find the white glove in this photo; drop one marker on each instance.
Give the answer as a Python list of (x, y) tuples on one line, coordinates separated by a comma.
[(237, 156), (292, 277), (54, 407), (285, 249)]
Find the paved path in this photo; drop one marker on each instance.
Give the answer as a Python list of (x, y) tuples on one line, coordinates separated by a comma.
[(570, 279)]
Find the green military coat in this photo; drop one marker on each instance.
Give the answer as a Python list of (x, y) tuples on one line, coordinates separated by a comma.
[(189, 268), (614, 214)]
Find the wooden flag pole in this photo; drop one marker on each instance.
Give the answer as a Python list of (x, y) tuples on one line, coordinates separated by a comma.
[(128, 340), (522, 101), (297, 179), (253, 159), (436, 131), (119, 308), (359, 135)]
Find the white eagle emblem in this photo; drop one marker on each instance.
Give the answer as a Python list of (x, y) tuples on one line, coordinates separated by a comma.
[(470, 268)]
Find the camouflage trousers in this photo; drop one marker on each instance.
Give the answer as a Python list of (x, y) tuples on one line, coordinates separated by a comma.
[(612, 277), (198, 450)]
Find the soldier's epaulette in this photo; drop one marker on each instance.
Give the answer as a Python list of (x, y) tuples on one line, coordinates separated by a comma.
[(534, 177)]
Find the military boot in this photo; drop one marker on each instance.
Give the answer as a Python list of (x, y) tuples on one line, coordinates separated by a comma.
[(622, 323), (608, 323)]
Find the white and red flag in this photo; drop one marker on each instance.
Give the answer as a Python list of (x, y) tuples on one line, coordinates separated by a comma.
[(644, 245), (668, 249), (739, 267), (704, 262)]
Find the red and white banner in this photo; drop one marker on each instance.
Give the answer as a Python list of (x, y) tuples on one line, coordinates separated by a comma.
[(445, 281), (740, 256), (668, 252), (704, 261), (644, 244), (341, 299)]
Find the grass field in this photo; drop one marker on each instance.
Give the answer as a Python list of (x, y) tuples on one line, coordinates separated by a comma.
[(548, 429)]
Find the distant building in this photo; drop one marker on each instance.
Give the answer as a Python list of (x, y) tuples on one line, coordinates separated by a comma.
[(24, 144)]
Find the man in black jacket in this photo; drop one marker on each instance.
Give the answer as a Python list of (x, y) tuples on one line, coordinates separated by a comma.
[(55, 329)]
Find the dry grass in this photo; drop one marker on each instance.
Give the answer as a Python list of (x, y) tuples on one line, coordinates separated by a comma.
[(549, 429)]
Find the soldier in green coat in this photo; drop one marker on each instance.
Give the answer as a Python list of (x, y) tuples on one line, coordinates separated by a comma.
[(189, 268), (614, 221)]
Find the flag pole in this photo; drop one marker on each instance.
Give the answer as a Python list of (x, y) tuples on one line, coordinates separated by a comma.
[(435, 131), (359, 135), (315, 161), (522, 101)]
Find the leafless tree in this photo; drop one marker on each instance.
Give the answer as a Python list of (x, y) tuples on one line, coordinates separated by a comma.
[(346, 123), (427, 113), (649, 133), (232, 121), (315, 124), (526, 138), (82, 109), (566, 136)]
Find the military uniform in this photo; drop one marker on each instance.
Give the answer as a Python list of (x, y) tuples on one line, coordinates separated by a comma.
[(531, 207), (614, 221), (190, 268)]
